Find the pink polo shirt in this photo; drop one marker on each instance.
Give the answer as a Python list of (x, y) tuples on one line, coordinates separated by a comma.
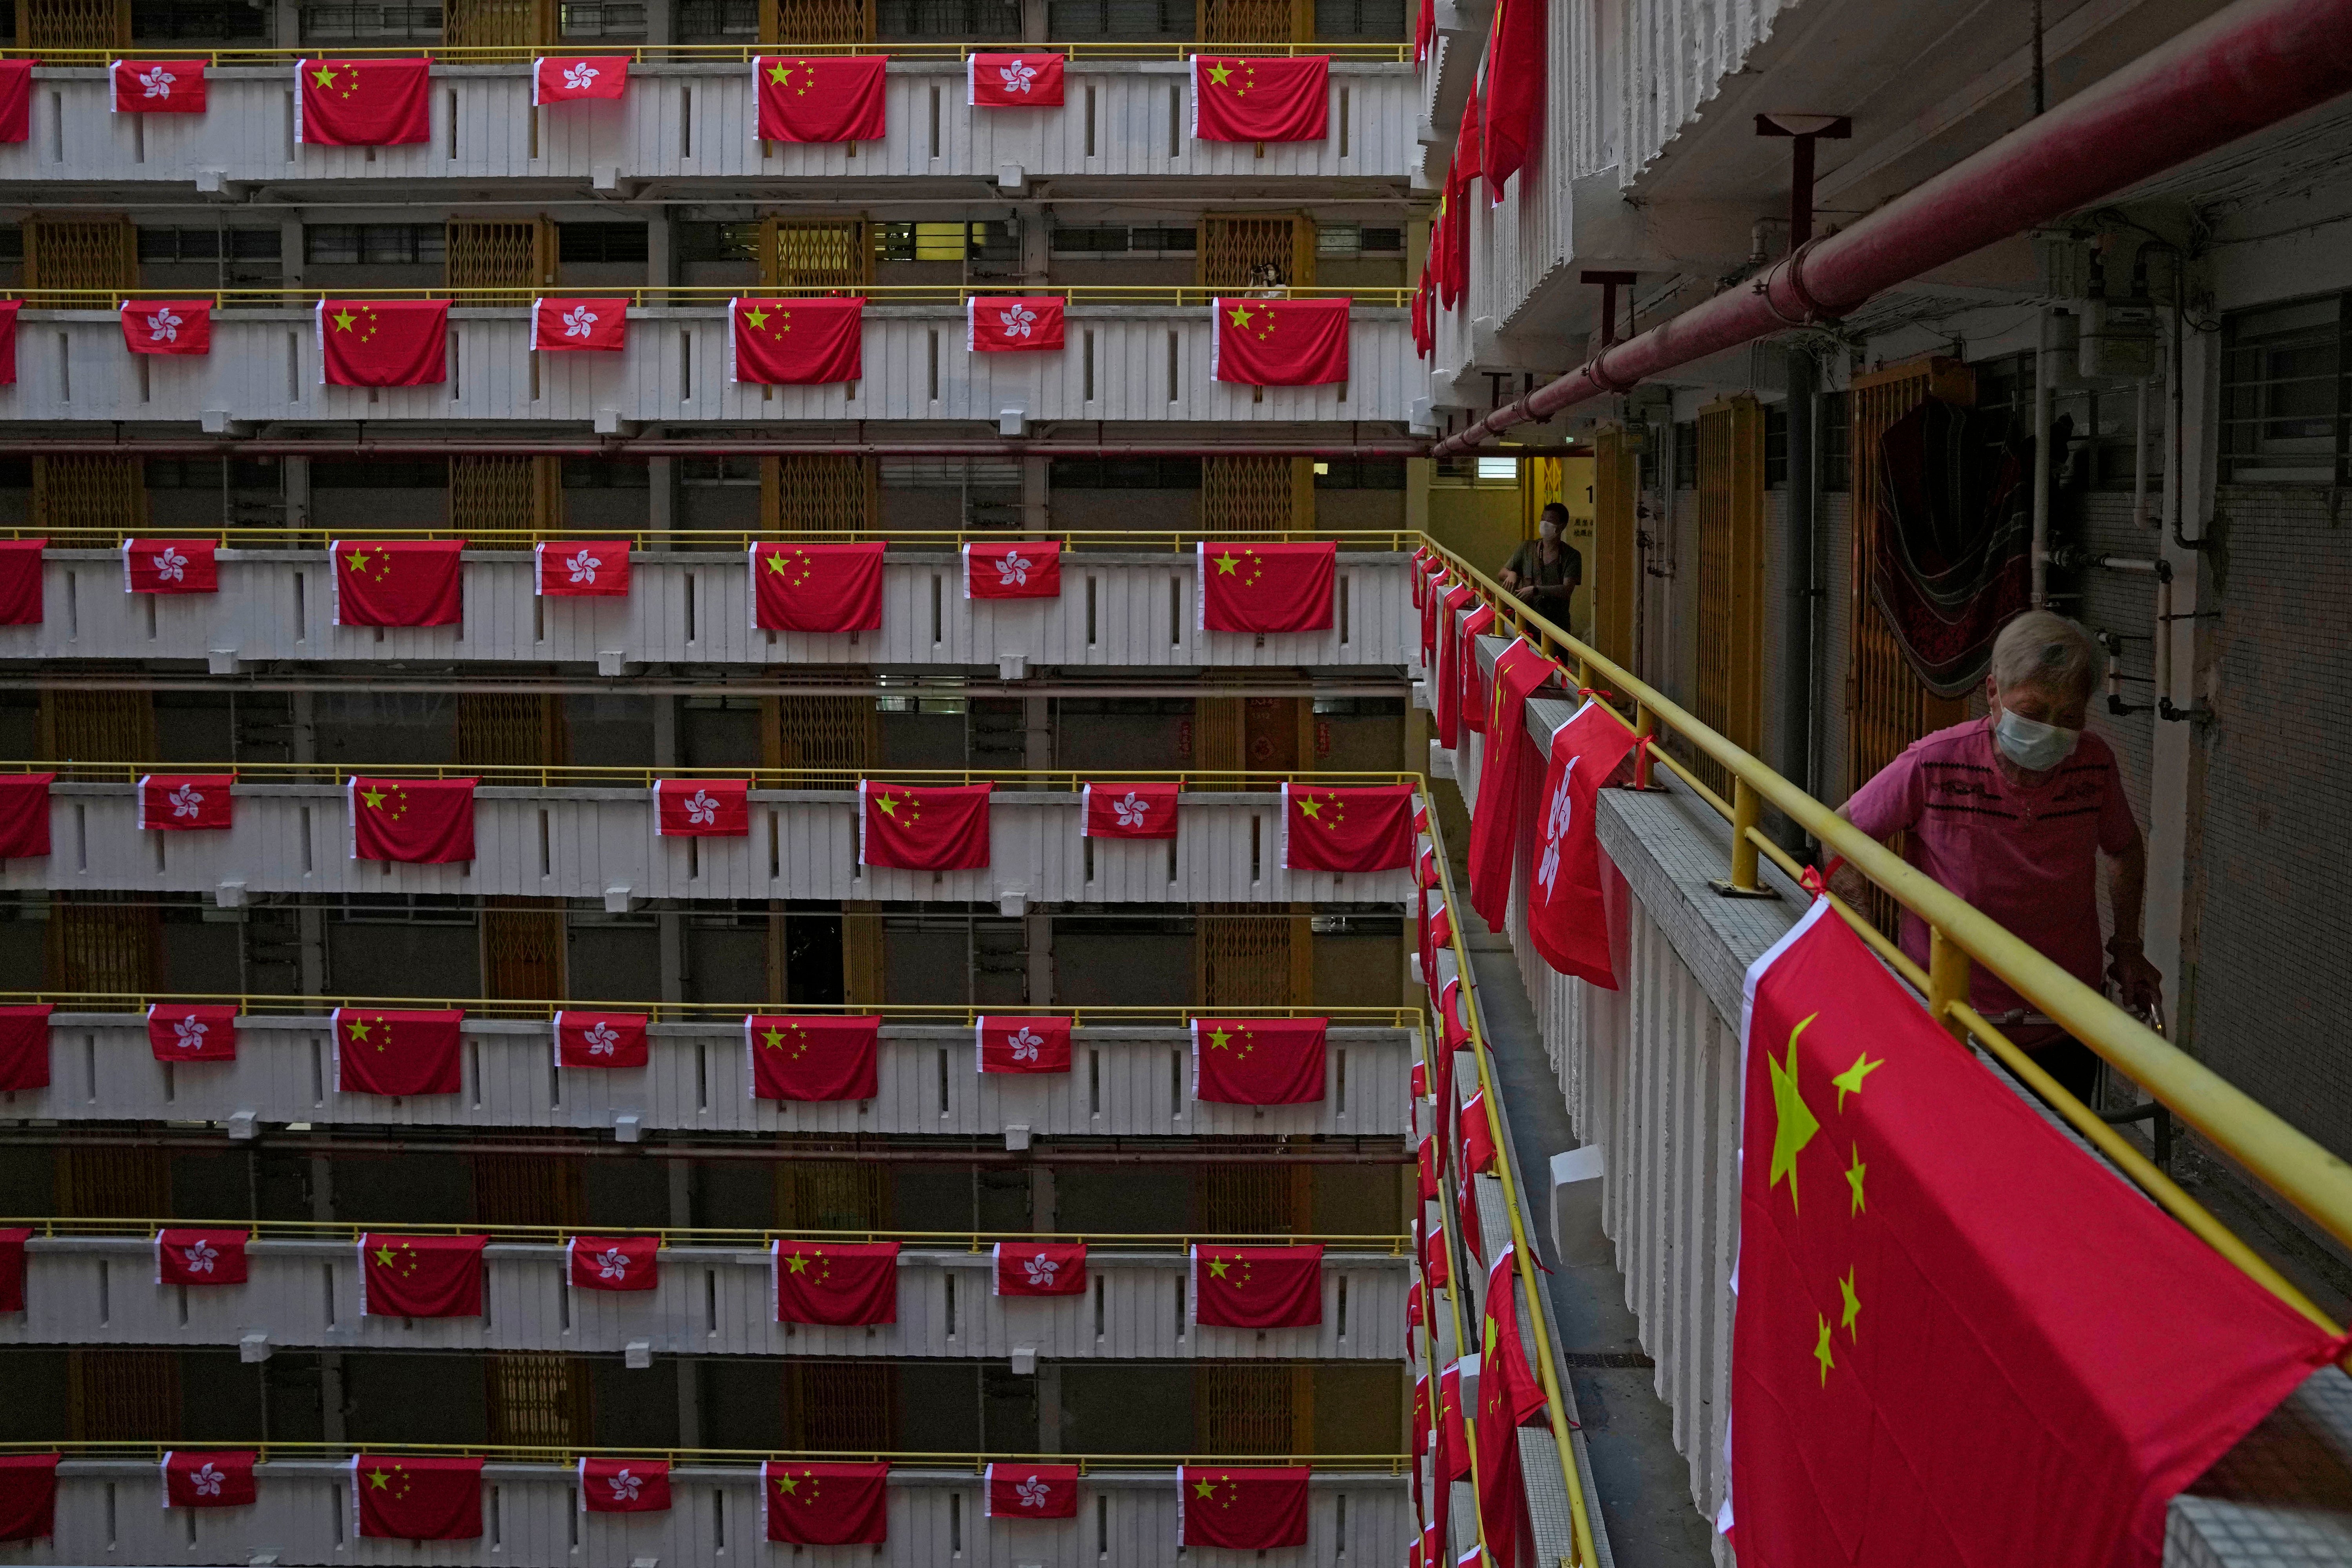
[(2026, 857)]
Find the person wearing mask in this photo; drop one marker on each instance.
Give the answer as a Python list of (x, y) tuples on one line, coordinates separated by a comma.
[(1545, 571), (2010, 812)]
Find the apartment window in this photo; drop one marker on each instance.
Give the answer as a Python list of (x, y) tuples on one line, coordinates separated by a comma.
[(1383, 242), (372, 474), (1490, 473), (730, 18), (956, 242), (207, 474), (1369, 19), (1119, 19), (1776, 446), (12, 243), (2286, 381), (208, 244), (601, 242), (376, 244), (331, 23), (1113, 240), (1687, 456), (737, 470), (198, 19), (1360, 474), (2097, 425), (699, 241), (1125, 474), (1835, 423), (603, 474), (1339, 239), (949, 474), (604, 19), (947, 19)]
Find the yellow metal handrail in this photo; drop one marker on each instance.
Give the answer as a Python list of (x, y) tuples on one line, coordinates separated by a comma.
[(700, 544), (699, 296), (519, 1454), (2289, 1162), (1078, 53), (1039, 780), (677, 1236)]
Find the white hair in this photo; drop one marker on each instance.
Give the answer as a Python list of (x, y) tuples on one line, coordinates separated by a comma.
[(2046, 652)]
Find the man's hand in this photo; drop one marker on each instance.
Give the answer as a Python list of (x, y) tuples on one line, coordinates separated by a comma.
[(2138, 982), (1509, 579)]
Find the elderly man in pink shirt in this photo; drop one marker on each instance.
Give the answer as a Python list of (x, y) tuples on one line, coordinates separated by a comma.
[(2011, 812)]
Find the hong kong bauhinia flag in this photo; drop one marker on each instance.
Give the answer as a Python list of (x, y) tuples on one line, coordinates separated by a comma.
[(572, 78), (399, 581), (25, 1047), (997, 325), (600, 1039), (421, 1276), (1568, 915), (1014, 81), (420, 821), (804, 1502), (835, 1283), (192, 1032), (1258, 1287), (170, 566), (1362, 829), (1258, 1061), (1279, 342), (828, 98), (814, 1057), (1020, 569), (25, 816), (363, 103), (167, 326), (1244, 1509), (624, 1486), (413, 1498), (200, 1256), (1265, 587), (829, 588), (940, 828), (383, 342), (1021, 1045), (565, 325), (1032, 1492), (215, 1478), (157, 86), (186, 803), (1259, 98), (396, 1053), (1128, 810), (580, 569), (1041, 1269), (612, 1262), (799, 342), (702, 808)]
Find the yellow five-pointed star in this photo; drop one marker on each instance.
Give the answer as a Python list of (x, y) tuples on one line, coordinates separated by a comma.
[(372, 798), (1217, 1039), (772, 1038), (786, 1485), (1850, 1081), (1204, 1489), (1822, 1352), (1795, 1122), (343, 319), (1309, 806), (1217, 1267), (1227, 561), (377, 1478), (800, 1263), (359, 559), (384, 1257), (1853, 1173), (757, 316), (778, 74), (1217, 74), (325, 76), (1241, 315), (1853, 1305), (359, 1029), (776, 565), (889, 807)]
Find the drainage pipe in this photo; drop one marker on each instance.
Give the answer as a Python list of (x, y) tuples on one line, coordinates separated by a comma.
[(2241, 70)]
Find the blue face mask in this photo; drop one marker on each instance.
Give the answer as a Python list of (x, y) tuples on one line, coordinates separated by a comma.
[(2032, 745)]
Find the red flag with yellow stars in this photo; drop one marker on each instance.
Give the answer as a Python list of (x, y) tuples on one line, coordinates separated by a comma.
[(943, 827), (1509, 1394), (1509, 775), (830, 98), (1266, 587), (363, 103), (1365, 829), (840, 1284), (812, 1058), (383, 342), (421, 1276), (426, 822), (817, 587), (1258, 1287), (801, 341), (804, 1503), (1256, 1507), (1261, 99), (1960, 1338), (1258, 1061), (1279, 342), (413, 1498), (396, 1053), (28, 1488), (399, 581)]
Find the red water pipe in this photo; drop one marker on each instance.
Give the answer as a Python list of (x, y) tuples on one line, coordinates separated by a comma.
[(173, 447), (2241, 71)]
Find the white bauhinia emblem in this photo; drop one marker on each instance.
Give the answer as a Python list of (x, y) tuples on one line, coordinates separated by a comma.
[(583, 567), (200, 1256), (163, 326), (1556, 826), (172, 567), (612, 1264), (1026, 1044), (187, 800), (188, 1034), (702, 808), (1042, 1269), (1017, 76), (579, 322), (579, 77), (157, 82), (1033, 1493), (625, 1485), (1013, 570), (208, 1479), (601, 1038), (1017, 321), (1132, 808)]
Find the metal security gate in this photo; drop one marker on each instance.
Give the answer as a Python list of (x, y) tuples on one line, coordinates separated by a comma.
[(81, 502), (820, 493), (815, 255), (1257, 495), (1257, 250)]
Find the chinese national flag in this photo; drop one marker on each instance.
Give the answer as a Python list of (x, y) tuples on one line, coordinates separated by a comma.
[(1448, 700), (399, 581), (804, 1503), (1129, 810), (170, 566), (1514, 91), (996, 325), (1477, 1136), (1258, 1061), (415, 1499), (1258, 1287), (814, 1057), (1434, 1268), (421, 1276), (600, 1039), (580, 569), (817, 587), (192, 1032), (571, 79), (1041, 1269), (562, 326), (168, 326), (16, 125), (1014, 81), (1452, 1434), (1279, 342), (383, 342), (1021, 1045), (1956, 1329), (1256, 1507), (942, 827), (1507, 781), (363, 103), (612, 1262), (1021, 571), (200, 1256), (1568, 915), (396, 1053), (427, 822), (25, 814), (800, 341), (214, 1479), (833, 97), (28, 1490), (702, 808), (1266, 587), (1473, 687), (183, 803), (20, 559), (157, 86), (25, 1048), (840, 1284), (1508, 1396), (1032, 1492), (1366, 829), (1260, 99), (624, 1486), (1465, 1211), (1425, 1163)]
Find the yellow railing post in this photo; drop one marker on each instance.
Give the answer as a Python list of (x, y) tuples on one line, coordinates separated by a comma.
[(1948, 981), (1746, 808)]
